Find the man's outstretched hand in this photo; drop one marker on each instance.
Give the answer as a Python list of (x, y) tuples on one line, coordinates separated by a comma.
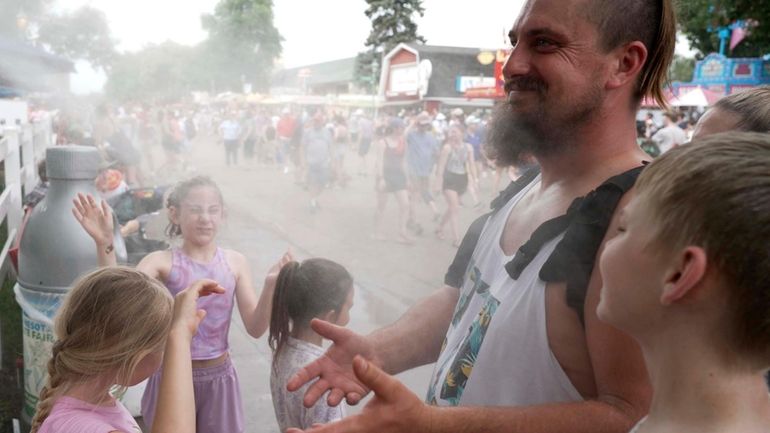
[(334, 369), (394, 409)]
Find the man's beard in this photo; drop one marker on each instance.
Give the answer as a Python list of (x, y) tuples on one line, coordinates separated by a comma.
[(515, 137)]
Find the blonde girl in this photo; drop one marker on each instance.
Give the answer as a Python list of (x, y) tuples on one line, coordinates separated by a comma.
[(196, 211), (110, 334)]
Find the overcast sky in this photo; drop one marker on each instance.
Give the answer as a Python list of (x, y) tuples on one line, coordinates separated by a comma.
[(313, 30)]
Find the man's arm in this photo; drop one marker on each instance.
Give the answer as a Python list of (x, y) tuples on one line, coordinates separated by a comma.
[(413, 340), (416, 338), (622, 384)]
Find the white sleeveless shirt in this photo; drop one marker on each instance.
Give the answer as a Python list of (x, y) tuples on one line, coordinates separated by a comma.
[(496, 351)]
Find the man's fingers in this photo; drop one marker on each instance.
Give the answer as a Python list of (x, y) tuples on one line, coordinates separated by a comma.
[(316, 391), (335, 397), (329, 331), (383, 384), (347, 425), (353, 398), (303, 376), (77, 214)]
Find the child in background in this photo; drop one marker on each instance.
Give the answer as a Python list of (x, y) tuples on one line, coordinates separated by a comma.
[(196, 210), (315, 288), (110, 333), (688, 275)]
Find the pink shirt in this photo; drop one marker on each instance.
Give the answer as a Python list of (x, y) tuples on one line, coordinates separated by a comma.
[(70, 415)]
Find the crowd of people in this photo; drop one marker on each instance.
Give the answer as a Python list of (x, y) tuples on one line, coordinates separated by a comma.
[(606, 291)]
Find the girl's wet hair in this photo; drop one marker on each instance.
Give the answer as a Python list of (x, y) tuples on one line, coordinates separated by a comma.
[(109, 322), (180, 192), (304, 291)]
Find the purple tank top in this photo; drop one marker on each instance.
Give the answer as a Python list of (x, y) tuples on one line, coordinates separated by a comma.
[(211, 340)]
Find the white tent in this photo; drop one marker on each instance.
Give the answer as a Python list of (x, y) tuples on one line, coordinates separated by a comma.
[(698, 97)]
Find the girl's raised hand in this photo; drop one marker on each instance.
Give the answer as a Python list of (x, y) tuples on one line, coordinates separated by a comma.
[(96, 219), (272, 273), (187, 316)]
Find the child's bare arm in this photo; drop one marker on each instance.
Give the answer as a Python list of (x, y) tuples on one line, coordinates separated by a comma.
[(157, 264), (255, 313)]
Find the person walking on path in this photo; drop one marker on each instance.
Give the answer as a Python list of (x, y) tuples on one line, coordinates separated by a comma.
[(457, 169)]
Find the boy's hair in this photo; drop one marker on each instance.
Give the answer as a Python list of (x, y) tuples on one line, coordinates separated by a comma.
[(179, 193), (715, 193), (304, 291), (110, 320), (752, 108)]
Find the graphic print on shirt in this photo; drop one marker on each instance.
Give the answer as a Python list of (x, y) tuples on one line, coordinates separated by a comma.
[(479, 287), (464, 358)]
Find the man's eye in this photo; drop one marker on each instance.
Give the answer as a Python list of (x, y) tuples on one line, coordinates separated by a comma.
[(543, 43)]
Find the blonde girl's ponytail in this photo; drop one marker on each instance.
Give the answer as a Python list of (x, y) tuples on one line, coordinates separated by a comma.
[(52, 389)]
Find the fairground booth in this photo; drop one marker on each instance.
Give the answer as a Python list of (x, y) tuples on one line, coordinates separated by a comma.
[(433, 78)]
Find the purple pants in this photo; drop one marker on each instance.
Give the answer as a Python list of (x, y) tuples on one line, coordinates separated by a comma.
[(218, 405)]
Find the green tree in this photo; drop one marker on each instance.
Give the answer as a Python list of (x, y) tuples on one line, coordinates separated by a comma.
[(243, 43), (682, 69), (156, 73), (393, 22), (81, 34), (700, 19)]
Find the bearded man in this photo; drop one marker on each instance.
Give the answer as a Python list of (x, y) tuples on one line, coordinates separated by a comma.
[(514, 332)]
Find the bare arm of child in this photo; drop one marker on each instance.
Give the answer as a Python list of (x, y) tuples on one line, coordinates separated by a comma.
[(97, 221), (176, 404), (254, 313)]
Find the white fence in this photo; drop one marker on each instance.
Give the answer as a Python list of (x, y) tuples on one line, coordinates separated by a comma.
[(21, 148)]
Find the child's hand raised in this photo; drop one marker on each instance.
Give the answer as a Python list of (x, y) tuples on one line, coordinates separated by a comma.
[(96, 219), (187, 316), (272, 273)]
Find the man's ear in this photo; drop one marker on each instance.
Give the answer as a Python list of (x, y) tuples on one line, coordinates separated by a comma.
[(685, 275), (628, 61)]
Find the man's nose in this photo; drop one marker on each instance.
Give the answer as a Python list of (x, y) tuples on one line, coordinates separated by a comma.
[(517, 63)]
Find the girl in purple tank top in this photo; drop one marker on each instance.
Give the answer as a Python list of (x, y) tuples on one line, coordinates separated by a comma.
[(195, 212)]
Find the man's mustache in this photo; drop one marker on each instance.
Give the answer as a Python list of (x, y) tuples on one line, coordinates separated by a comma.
[(524, 83)]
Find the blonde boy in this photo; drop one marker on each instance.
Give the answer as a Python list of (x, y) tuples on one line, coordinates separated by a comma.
[(688, 275)]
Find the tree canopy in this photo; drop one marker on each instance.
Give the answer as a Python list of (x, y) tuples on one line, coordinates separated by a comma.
[(82, 34), (242, 43), (700, 20), (393, 22)]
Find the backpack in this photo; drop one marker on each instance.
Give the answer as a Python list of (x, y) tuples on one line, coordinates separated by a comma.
[(572, 261)]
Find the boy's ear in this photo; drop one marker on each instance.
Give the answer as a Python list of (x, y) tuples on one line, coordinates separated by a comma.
[(330, 316), (685, 275)]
